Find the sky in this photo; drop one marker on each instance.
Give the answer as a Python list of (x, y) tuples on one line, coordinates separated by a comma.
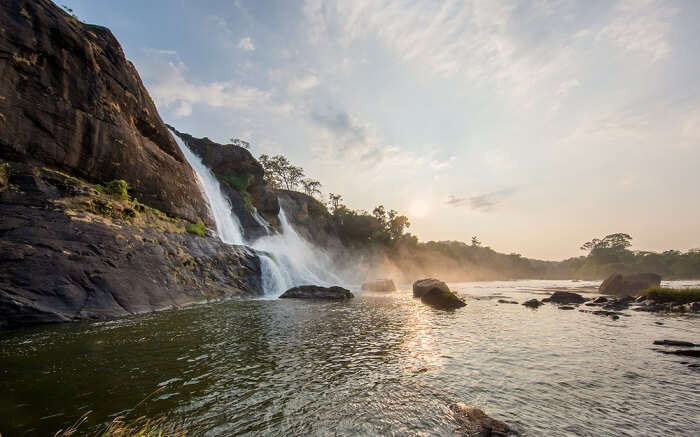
[(534, 125)]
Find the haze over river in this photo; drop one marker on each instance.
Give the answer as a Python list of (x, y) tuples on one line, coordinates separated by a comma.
[(379, 364)]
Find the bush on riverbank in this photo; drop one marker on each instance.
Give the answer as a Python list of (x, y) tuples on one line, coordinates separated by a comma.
[(674, 295)]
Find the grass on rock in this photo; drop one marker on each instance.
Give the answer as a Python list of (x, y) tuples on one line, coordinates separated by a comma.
[(674, 295)]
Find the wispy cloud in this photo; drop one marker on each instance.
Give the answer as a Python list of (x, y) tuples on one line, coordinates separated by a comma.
[(246, 44), (483, 202), (172, 89), (303, 83), (641, 26)]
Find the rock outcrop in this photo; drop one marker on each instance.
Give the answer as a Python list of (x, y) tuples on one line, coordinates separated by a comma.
[(70, 251), (437, 294), (379, 285), (564, 298), (310, 218), (317, 292), (423, 286), (618, 284), (70, 100), (473, 422), (241, 179)]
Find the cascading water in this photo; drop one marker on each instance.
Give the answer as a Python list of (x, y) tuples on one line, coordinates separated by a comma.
[(286, 259), (227, 224)]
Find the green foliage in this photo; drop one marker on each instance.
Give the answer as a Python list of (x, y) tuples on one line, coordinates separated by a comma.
[(673, 295), (238, 181), (196, 228), (280, 173), (117, 188)]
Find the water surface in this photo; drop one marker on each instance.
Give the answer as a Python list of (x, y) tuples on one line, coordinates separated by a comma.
[(376, 365)]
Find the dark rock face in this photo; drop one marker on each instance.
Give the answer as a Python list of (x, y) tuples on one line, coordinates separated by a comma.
[(629, 285), (565, 297), (317, 292), (379, 285), (533, 303), (70, 100), (423, 286), (473, 422), (442, 299), (236, 168), (60, 260)]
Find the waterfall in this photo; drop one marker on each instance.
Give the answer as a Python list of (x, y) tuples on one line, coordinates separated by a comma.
[(228, 227), (286, 259)]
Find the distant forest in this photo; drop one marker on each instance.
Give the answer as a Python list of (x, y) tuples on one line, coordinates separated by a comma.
[(381, 238)]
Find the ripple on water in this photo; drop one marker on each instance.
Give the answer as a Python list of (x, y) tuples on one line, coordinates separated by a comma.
[(376, 365)]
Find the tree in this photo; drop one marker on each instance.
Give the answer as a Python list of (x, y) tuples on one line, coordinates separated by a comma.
[(240, 143), (280, 173), (334, 202), (380, 214), (396, 225), (311, 187), (475, 242), (617, 242)]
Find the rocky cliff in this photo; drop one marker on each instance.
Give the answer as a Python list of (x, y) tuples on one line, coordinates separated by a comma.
[(69, 99), (74, 116)]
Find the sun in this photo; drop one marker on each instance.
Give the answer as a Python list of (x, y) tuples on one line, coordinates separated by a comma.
[(418, 208)]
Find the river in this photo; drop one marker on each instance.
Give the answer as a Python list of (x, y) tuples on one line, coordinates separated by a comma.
[(379, 364)]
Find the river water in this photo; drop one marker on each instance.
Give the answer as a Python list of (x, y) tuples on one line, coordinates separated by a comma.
[(379, 364)]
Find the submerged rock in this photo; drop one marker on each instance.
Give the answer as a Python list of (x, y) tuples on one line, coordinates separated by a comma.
[(600, 299), (507, 301), (379, 285), (532, 303), (618, 284), (678, 343), (423, 286), (317, 292), (565, 297), (473, 422)]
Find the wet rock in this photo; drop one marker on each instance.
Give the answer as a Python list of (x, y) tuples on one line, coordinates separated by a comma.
[(317, 292), (423, 286), (507, 301), (532, 303), (62, 261), (628, 285), (599, 299), (565, 297), (678, 343), (681, 352), (473, 422), (659, 323), (442, 299), (566, 308), (614, 315), (379, 285)]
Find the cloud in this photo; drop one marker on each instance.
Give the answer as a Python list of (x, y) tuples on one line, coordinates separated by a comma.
[(641, 26), (483, 202), (171, 89), (246, 44), (303, 83), (183, 109), (344, 127), (566, 86)]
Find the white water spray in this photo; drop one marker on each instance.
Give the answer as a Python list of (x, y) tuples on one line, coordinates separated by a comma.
[(286, 259)]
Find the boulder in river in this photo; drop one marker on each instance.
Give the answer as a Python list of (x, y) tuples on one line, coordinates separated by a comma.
[(442, 299), (317, 292), (473, 422), (532, 303), (565, 297), (379, 285), (423, 286), (618, 284)]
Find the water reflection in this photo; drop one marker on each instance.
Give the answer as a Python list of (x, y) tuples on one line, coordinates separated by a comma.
[(379, 364)]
